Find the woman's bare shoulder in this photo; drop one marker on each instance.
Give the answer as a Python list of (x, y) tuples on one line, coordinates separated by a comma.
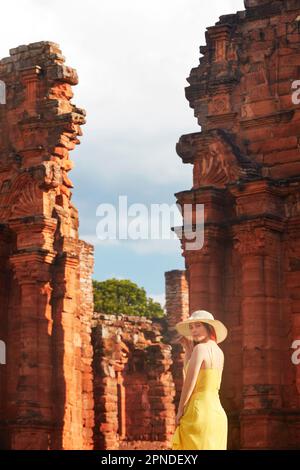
[(200, 345), (217, 348), (207, 344), (200, 348)]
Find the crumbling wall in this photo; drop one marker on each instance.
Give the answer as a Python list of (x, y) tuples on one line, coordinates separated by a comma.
[(133, 384), (46, 385)]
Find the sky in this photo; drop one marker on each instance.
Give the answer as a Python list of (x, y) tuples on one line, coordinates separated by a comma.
[(132, 58)]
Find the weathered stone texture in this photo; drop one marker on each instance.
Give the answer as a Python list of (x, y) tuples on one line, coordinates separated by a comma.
[(46, 386), (246, 164), (86, 309), (133, 385), (177, 307)]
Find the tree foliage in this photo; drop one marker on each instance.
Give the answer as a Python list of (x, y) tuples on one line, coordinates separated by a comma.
[(122, 296)]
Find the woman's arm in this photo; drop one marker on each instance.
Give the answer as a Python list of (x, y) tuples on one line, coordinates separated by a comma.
[(188, 349), (187, 356), (196, 360)]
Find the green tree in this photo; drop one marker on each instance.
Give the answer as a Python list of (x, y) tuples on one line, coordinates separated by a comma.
[(122, 296)]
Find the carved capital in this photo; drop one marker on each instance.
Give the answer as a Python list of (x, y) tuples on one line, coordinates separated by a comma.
[(217, 161), (35, 232), (257, 197), (32, 267), (255, 240)]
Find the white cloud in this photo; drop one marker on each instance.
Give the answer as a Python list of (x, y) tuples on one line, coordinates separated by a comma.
[(96, 242), (133, 57)]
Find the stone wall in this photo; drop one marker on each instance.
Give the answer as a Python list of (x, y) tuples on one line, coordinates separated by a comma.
[(46, 388), (133, 384), (86, 309), (246, 172)]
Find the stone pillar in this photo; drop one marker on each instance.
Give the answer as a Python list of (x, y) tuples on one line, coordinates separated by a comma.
[(291, 369), (67, 342), (177, 296), (177, 308), (5, 243), (33, 423), (258, 243), (206, 270), (204, 260)]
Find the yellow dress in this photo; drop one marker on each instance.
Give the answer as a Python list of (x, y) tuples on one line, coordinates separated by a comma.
[(203, 426)]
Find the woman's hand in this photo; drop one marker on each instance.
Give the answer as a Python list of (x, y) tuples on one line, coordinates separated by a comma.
[(178, 417), (188, 346), (185, 342)]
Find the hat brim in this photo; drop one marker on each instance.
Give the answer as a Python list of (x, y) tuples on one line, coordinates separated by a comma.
[(220, 329)]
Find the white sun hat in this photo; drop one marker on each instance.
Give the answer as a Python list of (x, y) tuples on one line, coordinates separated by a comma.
[(204, 317)]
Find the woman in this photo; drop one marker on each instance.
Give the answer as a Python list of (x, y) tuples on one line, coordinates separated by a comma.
[(201, 422)]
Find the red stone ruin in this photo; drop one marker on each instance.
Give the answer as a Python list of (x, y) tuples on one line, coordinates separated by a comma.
[(133, 385), (246, 173), (45, 386), (75, 379)]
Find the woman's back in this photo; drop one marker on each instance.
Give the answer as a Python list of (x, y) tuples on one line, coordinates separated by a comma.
[(213, 356), (204, 422), (210, 373)]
